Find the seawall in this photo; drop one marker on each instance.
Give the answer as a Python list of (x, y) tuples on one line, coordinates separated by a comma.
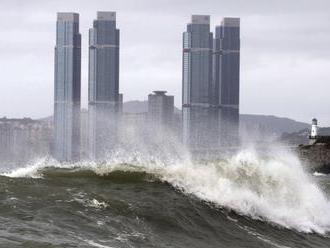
[(316, 156)]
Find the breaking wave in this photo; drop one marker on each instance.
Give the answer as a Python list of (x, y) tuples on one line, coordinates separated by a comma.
[(272, 187)]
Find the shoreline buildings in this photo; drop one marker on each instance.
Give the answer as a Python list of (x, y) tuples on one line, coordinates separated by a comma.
[(104, 100), (197, 82), (160, 110), (23, 139), (210, 88), (67, 88), (226, 77), (210, 84)]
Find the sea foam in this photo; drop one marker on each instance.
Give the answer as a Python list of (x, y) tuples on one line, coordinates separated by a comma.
[(273, 187), (276, 189)]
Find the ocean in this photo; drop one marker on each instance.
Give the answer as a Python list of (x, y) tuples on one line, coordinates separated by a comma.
[(249, 199)]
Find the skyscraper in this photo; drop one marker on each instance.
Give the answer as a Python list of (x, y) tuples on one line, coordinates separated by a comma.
[(226, 70), (160, 109), (197, 82), (104, 98), (67, 88)]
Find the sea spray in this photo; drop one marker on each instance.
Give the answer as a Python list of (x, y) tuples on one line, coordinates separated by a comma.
[(271, 186), (275, 189)]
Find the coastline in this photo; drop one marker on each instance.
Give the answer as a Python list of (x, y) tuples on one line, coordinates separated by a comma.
[(317, 156)]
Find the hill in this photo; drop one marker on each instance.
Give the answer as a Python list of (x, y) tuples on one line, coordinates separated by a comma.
[(256, 125), (262, 124)]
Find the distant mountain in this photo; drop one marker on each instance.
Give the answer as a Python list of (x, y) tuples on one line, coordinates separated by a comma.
[(302, 136), (261, 124), (296, 138), (253, 125), (271, 124)]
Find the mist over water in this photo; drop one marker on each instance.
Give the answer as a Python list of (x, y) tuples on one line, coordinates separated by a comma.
[(247, 191), (272, 186)]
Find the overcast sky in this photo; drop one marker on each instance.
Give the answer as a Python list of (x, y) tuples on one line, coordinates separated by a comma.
[(285, 52)]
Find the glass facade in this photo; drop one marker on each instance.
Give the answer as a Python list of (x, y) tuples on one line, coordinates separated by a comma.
[(104, 98), (67, 88), (197, 82), (226, 77), (210, 84)]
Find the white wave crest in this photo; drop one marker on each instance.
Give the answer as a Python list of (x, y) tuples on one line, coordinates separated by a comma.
[(33, 169), (318, 174), (274, 187)]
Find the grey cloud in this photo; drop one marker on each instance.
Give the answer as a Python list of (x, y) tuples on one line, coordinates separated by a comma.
[(285, 53)]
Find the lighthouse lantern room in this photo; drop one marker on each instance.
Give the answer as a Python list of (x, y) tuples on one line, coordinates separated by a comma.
[(314, 128)]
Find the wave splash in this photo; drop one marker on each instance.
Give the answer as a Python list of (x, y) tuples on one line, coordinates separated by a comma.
[(272, 187)]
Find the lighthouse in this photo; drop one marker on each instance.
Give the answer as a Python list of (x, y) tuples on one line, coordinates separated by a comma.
[(314, 129), (315, 137)]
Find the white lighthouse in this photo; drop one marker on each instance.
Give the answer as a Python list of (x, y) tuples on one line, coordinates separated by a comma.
[(314, 129), (315, 137)]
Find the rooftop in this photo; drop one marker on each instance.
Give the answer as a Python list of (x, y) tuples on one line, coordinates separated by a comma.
[(160, 92), (200, 19), (231, 22), (68, 16), (106, 15)]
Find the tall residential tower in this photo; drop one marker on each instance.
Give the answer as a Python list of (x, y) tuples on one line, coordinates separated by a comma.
[(104, 98), (67, 88), (210, 94), (226, 71), (197, 82)]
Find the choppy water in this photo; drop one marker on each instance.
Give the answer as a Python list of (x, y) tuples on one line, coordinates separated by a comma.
[(248, 200)]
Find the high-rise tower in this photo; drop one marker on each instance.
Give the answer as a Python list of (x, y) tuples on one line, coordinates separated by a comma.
[(67, 88), (226, 72), (104, 98), (197, 82), (160, 110)]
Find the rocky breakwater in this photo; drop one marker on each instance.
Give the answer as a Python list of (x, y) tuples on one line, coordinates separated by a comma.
[(316, 156)]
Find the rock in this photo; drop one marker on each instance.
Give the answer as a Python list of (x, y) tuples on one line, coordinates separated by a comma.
[(316, 156)]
